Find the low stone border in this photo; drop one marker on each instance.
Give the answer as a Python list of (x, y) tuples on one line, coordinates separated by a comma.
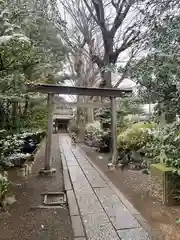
[(26, 168), (77, 225), (36, 151)]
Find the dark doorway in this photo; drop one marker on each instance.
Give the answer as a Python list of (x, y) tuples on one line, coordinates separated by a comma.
[(61, 125)]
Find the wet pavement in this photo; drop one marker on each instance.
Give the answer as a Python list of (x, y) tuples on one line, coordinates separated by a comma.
[(98, 210)]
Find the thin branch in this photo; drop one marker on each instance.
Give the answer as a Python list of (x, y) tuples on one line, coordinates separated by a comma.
[(91, 11), (121, 15), (99, 8), (128, 41), (115, 5), (125, 70), (66, 77)]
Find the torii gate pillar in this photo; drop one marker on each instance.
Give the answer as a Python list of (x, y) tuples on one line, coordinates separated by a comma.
[(114, 131), (111, 166), (48, 170)]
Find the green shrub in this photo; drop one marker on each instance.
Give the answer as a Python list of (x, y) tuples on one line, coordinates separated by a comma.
[(103, 138), (12, 144), (92, 127), (93, 133), (133, 139), (122, 125)]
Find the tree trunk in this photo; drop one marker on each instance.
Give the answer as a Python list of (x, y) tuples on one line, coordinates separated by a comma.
[(25, 107), (162, 120), (106, 75), (14, 115), (88, 112), (90, 115), (14, 104), (108, 84), (78, 112)]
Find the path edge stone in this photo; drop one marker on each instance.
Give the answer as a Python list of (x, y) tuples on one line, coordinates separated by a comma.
[(71, 201)]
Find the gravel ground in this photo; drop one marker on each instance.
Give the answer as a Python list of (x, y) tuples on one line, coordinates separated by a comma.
[(25, 223), (136, 187)]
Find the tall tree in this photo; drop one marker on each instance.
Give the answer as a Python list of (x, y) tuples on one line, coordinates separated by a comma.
[(30, 49), (116, 26), (36, 20), (15, 51)]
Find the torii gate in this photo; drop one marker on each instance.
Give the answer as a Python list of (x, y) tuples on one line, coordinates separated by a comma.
[(52, 89)]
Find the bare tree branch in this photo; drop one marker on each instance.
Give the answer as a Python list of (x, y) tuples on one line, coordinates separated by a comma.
[(91, 11), (65, 77), (115, 5), (122, 12), (124, 74), (128, 41), (98, 5), (106, 36)]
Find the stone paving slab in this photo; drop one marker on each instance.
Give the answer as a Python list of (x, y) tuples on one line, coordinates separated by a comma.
[(72, 163), (69, 158), (133, 234), (77, 226), (115, 209), (95, 180), (77, 175), (109, 200), (102, 209), (67, 182), (87, 166), (79, 156), (88, 203), (73, 208), (124, 220), (98, 227)]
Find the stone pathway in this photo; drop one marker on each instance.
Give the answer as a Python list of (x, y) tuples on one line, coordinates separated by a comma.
[(98, 210)]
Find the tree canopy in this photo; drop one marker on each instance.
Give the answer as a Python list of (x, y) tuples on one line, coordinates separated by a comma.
[(157, 72), (31, 48)]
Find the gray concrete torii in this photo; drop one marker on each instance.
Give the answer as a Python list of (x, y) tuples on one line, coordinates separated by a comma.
[(52, 89)]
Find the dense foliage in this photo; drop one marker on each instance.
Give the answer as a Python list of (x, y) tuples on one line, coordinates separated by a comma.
[(31, 49), (19, 145), (128, 105), (98, 133), (135, 137), (158, 144), (165, 146), (157, 73)]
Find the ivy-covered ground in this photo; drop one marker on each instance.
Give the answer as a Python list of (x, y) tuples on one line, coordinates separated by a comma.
[(136, 186), (36, 224)]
